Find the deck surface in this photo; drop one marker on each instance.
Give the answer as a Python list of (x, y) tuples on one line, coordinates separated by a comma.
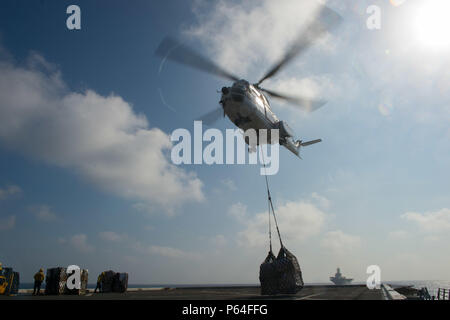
[(319, 292)]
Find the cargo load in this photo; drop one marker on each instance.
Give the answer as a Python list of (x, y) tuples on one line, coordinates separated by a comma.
[(120, 282), (108, 281), (56, 282), (281, 274), (83, 284), (9, 281), (114, 282), (15, 283)]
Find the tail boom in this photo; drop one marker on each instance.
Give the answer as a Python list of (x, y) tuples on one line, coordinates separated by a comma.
[(294, 146)]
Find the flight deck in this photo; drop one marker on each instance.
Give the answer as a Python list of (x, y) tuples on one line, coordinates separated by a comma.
[(313, 292)]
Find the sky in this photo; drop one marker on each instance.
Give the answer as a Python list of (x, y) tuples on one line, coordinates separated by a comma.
[(86, 116)]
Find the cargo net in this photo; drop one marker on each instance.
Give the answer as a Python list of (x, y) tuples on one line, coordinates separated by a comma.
[(56, 282), (114, 282), (9, 281), (280, 274)]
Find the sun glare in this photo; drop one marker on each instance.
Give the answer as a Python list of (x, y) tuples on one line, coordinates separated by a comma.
[(432, 24)]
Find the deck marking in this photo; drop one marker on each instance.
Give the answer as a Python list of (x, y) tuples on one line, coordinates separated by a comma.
[(311, 295)]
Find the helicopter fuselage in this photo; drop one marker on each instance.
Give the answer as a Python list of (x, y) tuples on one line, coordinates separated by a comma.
[(245, 104), (248, 108)]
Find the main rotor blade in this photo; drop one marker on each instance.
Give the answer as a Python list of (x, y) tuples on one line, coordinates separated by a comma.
[(305, 104), (171, 49), (325, 20), (211, 117)]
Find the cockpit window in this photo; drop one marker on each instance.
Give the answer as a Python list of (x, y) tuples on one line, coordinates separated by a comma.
[(241, 83)]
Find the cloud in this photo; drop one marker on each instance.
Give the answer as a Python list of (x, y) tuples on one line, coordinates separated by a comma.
[(111, 236), (43, 212), (339, 242), (147, 249), (431, 238), (320, 200), (249, 37), (238, 211), (100, 137), (170, 252), (229, 184), (242, 34), (298, 220), (79, 242), (432, 222), (7, 223), (398, 235), (219, 240), (9, 191), (165, 251)]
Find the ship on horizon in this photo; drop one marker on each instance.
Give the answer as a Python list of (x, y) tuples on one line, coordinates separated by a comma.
[(339, 280)]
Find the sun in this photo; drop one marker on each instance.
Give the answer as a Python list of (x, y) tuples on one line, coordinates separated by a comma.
[(432, 24)]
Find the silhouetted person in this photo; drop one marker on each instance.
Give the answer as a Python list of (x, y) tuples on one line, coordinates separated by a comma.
[(99, 283), (38, 278)]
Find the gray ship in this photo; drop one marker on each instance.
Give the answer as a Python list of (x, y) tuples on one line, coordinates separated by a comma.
[(339, 280)]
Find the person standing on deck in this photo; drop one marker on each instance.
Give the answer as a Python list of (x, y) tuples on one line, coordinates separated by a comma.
[(38, 279), (99, 283)]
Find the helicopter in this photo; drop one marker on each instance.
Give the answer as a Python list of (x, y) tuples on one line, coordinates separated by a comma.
[(246, 104)]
